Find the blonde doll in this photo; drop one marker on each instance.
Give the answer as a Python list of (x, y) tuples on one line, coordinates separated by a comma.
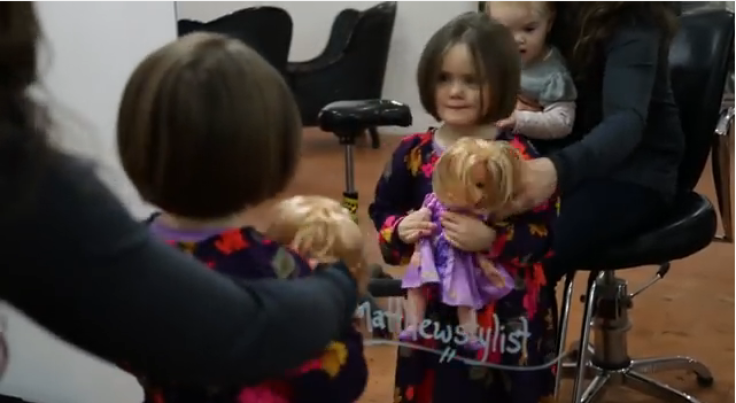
[(477, 177), (322, 230)]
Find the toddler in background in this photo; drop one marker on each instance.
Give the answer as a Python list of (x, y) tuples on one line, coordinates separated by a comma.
[(546, 105), (203, 134)]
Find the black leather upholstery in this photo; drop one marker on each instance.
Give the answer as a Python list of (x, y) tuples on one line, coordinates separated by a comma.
[(353, 117), (688, 229), (353, 65), (267, 30), (186, 26), (699, 64), (342, 31)]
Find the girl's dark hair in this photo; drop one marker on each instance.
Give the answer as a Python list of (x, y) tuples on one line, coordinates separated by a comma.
[(496, 59), (582, 27), (207, 127), (23, 121)]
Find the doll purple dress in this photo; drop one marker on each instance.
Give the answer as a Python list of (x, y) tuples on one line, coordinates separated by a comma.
[(462, 281)]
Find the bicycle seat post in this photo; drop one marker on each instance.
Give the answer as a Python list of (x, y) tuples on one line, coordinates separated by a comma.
[(350, 119), (350, 195)]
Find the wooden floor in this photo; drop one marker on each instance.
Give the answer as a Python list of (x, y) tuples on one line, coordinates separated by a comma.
[(690, 312)]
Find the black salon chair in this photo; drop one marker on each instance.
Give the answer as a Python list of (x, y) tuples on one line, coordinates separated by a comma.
[(351, 67), (699, 62), (187, 26), (267, 30)]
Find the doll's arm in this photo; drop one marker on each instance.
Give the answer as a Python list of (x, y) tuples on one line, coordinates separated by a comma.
[(525, 239)]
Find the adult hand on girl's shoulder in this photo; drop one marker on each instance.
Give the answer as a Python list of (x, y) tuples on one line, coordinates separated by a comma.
[(466, 232), (538, 184), (528, 106), (508, 123)]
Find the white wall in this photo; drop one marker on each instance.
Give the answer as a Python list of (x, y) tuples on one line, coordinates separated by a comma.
[(415, 22), (95, 46)]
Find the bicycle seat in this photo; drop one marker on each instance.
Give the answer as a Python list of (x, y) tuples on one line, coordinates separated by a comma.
[(357, 116)]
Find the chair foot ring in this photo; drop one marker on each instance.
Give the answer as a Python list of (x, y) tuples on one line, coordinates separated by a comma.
[(704, 381)]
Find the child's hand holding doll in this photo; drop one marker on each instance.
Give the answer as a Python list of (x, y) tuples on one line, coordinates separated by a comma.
[(466, 232), (415, 225)]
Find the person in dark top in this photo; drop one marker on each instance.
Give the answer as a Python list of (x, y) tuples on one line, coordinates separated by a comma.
[(207, 116), (618, 170), (75, 261)]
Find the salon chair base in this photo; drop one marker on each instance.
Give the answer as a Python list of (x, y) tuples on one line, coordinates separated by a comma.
[(606, 361), (721, 168)]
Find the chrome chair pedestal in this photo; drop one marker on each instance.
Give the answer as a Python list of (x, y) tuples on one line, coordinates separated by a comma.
[(606, 363), (721, 165)]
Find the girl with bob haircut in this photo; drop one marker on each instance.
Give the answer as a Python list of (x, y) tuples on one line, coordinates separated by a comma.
[(78, 264), (468, 78), (203, 135)]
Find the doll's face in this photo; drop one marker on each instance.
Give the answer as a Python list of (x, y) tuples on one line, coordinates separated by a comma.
[(529, 22), (472, 195), (460, 95)]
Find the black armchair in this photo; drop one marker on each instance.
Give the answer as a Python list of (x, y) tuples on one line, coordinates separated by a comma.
[(699, 61), (187, 26), (267, 30), (352, 66)]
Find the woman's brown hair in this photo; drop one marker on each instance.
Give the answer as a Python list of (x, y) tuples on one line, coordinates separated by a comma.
[(583, 27), (496, 57), (24, 122), (207, 127)]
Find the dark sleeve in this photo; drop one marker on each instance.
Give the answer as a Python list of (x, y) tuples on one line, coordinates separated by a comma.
[(77, 263), (526, 239), (628, 79), (392, 202)]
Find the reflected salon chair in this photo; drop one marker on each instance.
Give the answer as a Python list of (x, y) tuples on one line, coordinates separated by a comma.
[(267, 30), (699, 64), (351, 67)]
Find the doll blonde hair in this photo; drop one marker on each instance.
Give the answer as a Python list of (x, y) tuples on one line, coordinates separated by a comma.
[(320, 228), (455, 181)]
